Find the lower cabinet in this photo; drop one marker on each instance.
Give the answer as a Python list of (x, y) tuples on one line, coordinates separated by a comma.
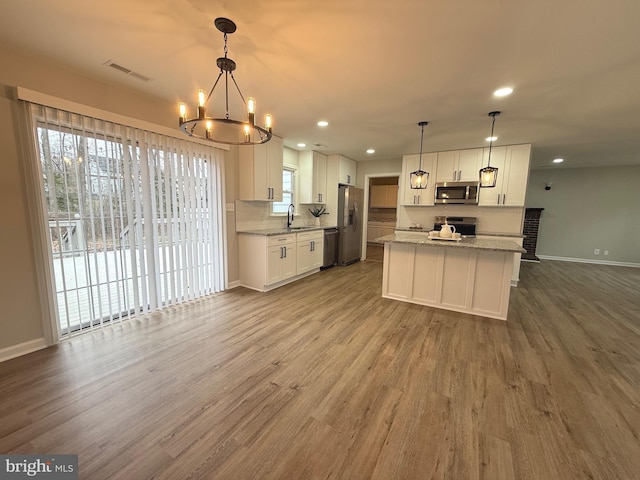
[(515, 277), (267, 262), (379, 229), (281, 263), (310, 251), (459, 279)]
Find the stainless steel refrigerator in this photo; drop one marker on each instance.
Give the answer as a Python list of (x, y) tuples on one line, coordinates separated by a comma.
[(350, 211)]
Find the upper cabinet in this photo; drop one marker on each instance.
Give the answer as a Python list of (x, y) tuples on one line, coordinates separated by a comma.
[(411, 163), (459, 165), (512, 162), (261, 167), (313, 177), (346, 170), (383, 196)]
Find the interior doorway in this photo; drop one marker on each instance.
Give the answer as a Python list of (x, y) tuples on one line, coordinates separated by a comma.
[(382, 208)]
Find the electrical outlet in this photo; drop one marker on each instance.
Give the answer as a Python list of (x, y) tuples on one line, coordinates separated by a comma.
[(606, 252), (596, 251)]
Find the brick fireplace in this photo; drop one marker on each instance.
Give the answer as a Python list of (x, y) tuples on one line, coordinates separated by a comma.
[(530, 231)]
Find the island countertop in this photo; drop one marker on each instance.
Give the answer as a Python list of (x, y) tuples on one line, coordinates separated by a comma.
[(472, 243)]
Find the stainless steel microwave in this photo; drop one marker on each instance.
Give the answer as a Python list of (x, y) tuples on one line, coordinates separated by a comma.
[(457, 192)]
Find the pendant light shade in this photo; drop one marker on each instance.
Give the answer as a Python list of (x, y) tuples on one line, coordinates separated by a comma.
[(489, 174), (420, 178)]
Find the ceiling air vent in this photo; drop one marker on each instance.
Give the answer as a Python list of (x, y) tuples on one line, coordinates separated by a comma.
[(127, 71)]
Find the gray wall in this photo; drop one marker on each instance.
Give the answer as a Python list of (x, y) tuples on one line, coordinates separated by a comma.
[(373, 167), (588, 208)]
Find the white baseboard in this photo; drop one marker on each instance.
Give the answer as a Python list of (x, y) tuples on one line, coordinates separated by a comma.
[(22, 349), (589, 260), (233, 284)]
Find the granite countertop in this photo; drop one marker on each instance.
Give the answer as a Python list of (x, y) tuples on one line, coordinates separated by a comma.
[(268, 232), (473, 243), (491, 234), (501, 234)]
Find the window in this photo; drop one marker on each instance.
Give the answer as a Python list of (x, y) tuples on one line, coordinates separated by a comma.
[(288, 191)]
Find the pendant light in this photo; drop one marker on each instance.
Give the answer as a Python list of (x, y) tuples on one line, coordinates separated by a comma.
[(489, 174), (225, 130), (419, 178)]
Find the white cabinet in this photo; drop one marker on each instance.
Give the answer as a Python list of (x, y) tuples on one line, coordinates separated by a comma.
[(281, 258), (378, 229), (459, 165), (383, 196), (459, 279), (410, 163), (515, 275), (266, 260), (261, 170), (346, 171), (512, 162), (310, 250), (313, 177)]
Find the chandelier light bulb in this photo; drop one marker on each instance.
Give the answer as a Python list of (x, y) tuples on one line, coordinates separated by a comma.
[(268, 121), (209, 126), (201, 98), (183, 111), (251, 108)]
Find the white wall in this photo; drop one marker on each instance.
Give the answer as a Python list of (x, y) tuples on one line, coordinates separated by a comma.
[(588, 208)]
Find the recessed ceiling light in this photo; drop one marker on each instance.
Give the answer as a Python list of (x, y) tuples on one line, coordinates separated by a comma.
[(323, 123), (558, 160), (370, 151), (302, 145), (503, 92), (491, 139)]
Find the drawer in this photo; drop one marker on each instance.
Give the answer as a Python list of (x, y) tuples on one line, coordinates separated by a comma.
[(308, 236), (281, 239)]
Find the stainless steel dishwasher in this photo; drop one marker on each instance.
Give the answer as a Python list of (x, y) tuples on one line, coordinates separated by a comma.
[(330, 247)]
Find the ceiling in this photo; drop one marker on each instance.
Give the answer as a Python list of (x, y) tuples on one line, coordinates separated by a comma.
[(375, 68)]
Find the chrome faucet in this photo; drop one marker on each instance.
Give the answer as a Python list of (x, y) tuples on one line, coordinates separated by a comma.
[(290, 212)]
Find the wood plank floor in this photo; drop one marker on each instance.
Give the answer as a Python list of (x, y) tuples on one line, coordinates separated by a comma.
[(324, 379)]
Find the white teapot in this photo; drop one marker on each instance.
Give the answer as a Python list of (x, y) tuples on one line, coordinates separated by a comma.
[(447, 230)]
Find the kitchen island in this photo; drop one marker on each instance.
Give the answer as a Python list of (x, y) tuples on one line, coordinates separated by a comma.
[(470, 276)]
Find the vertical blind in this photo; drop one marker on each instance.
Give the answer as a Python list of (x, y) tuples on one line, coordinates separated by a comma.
[(135, 218)]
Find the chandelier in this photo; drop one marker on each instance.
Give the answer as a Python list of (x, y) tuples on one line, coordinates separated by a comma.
[(489, 174), (419, 178), (225, 130)]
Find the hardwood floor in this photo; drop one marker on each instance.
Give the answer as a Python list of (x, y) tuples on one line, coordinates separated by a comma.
[(324, 379)]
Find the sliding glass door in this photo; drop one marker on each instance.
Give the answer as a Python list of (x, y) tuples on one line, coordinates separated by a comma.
[(135, 218)]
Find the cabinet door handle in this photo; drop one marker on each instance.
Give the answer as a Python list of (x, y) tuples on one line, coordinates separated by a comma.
[(504, 198), (285, 252), (348, 178), (281, 253), (498, 199), (418, 199)]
